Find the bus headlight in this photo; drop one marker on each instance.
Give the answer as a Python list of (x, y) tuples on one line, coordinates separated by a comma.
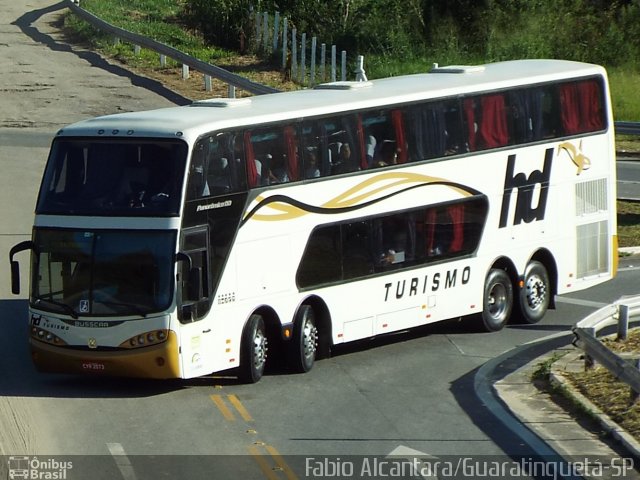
[(45, 336), (146, 339)]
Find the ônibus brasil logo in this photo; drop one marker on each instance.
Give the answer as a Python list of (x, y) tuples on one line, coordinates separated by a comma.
[(33, 468)]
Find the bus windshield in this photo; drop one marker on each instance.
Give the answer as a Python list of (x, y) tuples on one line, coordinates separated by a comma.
[(115, 177), (81, 272)]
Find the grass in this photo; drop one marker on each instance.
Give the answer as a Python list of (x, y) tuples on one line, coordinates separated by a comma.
[(160, 20), (608, 393), (628, 224)]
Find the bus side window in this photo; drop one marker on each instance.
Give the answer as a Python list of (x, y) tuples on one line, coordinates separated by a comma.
[(426, 131), (342, 139), (226, 166), (455, 138), (492, 129), (197, 185), (195, 276), (581, 108), (321, 262), (357, 258)]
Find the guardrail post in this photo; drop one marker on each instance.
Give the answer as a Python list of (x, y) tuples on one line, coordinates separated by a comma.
[(623, 322), (634, 396), (589, 361)]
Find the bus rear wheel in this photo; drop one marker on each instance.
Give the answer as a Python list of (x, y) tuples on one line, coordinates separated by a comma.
[(498, 300), (304, 344), (253, 350), (535, 293)]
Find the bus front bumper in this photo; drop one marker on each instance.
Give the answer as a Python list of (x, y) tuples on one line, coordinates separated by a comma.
[(157, 361)]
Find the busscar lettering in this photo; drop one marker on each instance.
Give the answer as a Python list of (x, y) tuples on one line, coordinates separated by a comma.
[(525, 211), (421, 285)]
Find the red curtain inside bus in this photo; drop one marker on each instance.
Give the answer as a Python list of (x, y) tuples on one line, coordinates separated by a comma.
[(493, 131)]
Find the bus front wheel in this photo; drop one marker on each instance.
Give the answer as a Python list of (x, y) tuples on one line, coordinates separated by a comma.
[(534, 293), (253, 353), (304, 344), (498, 300)]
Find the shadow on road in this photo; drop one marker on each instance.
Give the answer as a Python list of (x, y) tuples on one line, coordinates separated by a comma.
[(18, 377), (26, 21)]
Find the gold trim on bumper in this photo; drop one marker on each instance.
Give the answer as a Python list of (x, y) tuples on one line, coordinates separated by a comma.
[(156, 361)]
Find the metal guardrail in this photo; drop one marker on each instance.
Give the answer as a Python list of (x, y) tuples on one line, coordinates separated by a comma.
[(620, 313), (161, 48), (627, 128)]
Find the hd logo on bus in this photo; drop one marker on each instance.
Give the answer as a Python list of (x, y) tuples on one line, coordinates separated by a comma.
[(526, 211)]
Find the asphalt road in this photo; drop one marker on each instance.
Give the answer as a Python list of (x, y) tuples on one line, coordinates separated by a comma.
[(395, 395)]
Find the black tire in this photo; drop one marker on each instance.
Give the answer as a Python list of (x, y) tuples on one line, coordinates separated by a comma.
[(304, 344), (253, 350), (498, 300), (535, 295)]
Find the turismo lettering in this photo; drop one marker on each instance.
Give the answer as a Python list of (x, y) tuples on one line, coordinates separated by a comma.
[(422, 285), (525, 210)]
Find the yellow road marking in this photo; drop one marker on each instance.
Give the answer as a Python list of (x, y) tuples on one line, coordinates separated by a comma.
[(235, 401), (281, 463), (219, 401), (263, 463), (269, 470)]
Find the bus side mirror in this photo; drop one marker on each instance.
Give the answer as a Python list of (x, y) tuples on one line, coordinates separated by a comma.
[(15, 277), (15, 266)]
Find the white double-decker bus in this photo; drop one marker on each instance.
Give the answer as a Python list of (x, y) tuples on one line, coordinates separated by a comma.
[(183, 241)]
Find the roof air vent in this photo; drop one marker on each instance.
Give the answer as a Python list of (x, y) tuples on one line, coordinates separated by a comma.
[(343, 85), (222, 102), (457, 69)]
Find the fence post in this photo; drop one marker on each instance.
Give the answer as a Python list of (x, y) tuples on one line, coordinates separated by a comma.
[(285, 27), (258, 29), (303, 58), (333, 63), (276, 25), (265, 31), (294, 54), (623, 322), (323, 61), (312, 77), (344, 65)]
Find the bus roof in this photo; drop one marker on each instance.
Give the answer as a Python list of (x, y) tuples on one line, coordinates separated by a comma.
[(205, 116)]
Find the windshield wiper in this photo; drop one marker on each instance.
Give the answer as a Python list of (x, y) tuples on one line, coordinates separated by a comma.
[(67, 308)]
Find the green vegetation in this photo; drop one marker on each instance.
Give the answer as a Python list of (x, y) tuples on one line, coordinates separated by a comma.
[(628, 224), (397, 37)]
